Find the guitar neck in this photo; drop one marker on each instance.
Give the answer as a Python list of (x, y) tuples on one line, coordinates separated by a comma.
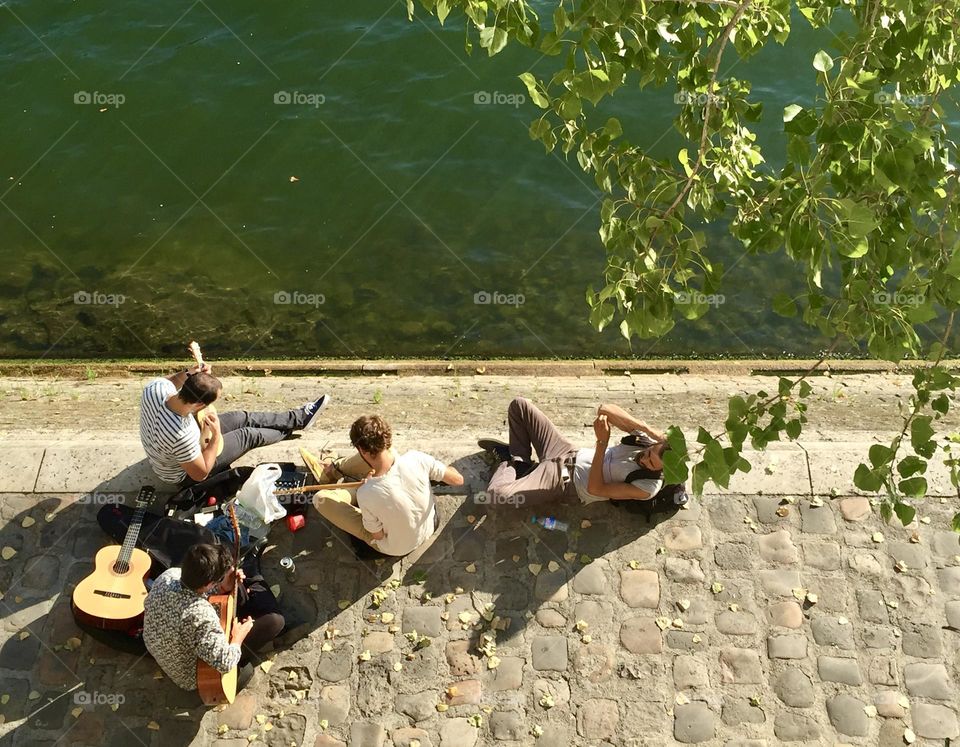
[(144, 499)]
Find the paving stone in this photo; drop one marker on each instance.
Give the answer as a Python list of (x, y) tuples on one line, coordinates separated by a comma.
[(946, 544), (683, 570), (777, 547), (419, 706), (934, 721), (640, 635), (640, 588), (928, 681), (787, 647), (838, 669), (953, 615), (239, 714), (591, 579), (683, 537), (817, 519), (457, 732), (830, 631), (913, 557), (324, 740), (872, 607), (736, 623), (334, 704), (892, 734), (684, 640), (693, 723), (855, 509), (559, 690), (378, 642), (740, 666), (700, 612), (824, 556), (42, 572), (785, 615), (922, 641), (878, 637), (598, 719), (689, 671), (737, 711), (554, 735), (779, 583), (549, 653), (867, 564), (595, 661), (735, 556), (847, 715), (464, 692), (411, 735), (507, 725), (507, 676), (766, 509), (551, 586), (461, 662), (794, 727), (882, 670), (425, 620), (949, 579), (550, 618), (367, 734), (889, 705), (794, 688), (596, 614)]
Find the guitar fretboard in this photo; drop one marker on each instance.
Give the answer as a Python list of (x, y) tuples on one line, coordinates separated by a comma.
[(144, 499)]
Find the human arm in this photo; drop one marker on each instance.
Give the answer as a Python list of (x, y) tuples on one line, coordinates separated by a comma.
[(620, 418), (199, 467), (452, 477), (181, 376), (211, 643), (617, 491)]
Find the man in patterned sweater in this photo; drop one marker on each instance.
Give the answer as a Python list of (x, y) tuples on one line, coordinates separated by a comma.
[(180, 625)]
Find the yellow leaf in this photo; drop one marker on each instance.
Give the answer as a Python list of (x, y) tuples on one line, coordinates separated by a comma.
[(153, 726), (266, 666), (535, 568), (472, 568), (343, 604), (76, 712), (7, 552), (386, 617), (28, 521), (553, 566)]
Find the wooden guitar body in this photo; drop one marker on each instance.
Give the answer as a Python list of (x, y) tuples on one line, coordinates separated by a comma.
[(217, 688), (109, 599), (206, 434)]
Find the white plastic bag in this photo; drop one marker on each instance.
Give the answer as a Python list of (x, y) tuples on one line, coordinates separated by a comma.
[(257, 505)]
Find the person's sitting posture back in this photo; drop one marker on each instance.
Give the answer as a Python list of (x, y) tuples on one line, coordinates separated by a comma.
[(395, 509), (168, 427), (179, 623)]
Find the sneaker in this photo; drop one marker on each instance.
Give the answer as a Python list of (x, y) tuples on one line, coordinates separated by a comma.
[(312, 409), (498, 448)]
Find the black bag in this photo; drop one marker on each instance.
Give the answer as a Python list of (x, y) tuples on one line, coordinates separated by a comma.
[(222, 486), (668, 500), (164, 539)]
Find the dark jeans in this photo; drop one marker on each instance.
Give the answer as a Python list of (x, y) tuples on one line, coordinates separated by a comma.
[(245, 431)]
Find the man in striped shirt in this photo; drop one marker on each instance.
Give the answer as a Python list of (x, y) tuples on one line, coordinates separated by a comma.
[(171, 437)]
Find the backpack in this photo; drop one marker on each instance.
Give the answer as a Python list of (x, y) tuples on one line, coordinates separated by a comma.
[(668, 500)]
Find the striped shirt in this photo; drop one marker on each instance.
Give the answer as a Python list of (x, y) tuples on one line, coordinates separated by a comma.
[(181, 626), (169, 439)]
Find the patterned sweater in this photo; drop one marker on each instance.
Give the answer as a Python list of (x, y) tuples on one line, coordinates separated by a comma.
[(180, 626)]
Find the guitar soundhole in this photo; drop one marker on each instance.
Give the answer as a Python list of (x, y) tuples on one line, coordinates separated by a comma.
[(121, 568)]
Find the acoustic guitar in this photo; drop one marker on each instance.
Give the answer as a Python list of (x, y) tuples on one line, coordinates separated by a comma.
[(206, 433), (111, 598), (214, 687)]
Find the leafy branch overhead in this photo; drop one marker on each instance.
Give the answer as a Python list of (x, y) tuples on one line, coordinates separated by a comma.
[(863, 203)]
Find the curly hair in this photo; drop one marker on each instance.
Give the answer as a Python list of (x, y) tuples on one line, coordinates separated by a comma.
[(371, 433)]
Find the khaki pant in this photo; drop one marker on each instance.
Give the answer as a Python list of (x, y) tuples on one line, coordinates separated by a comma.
[(339, 505)]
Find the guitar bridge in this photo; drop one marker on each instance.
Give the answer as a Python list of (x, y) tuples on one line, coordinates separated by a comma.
[(111, 594)]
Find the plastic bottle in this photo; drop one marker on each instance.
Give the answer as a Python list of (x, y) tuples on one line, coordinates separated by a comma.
[(548, 522)]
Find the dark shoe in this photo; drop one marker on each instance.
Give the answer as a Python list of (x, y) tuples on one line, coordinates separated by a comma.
[(313, 409), (495, 447), (363, 551), (522, 468)]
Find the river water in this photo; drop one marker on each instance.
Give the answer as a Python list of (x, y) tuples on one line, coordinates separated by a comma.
[(320, 179)]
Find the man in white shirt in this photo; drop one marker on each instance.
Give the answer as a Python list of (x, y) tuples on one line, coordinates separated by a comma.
[(394, 511), (170, 434), (564, 471)]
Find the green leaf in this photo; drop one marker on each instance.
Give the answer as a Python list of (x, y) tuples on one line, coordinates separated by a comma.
[(955, 525), (791, 111), (793, 428), (536, 96), (784, 305), (822, 62), (805, 389), (904, 511), (880, 455), (911, 465), (914, 487), (920, 436), (866, 479)]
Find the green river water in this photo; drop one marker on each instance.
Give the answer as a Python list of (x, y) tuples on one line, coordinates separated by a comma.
[(319, 179)]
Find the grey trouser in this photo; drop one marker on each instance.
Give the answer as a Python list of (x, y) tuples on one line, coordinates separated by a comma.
[(548, 482)]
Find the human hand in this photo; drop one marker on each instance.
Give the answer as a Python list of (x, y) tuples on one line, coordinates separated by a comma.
[(211, 420), (241, 630), (601, 427)]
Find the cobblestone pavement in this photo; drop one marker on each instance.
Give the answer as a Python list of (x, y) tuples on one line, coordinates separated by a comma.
[(749, 619)]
